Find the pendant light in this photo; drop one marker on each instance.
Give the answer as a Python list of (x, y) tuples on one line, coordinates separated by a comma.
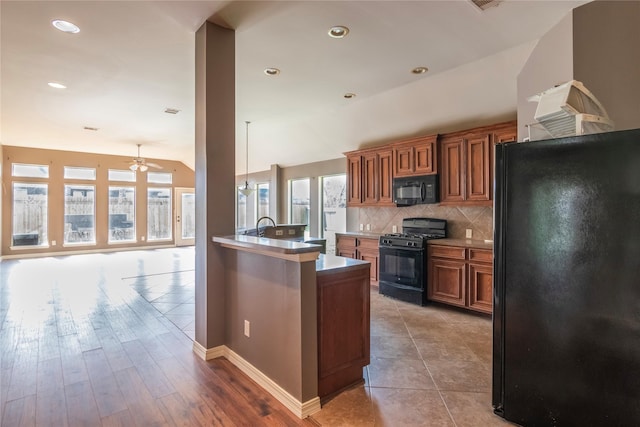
[(246, 190)]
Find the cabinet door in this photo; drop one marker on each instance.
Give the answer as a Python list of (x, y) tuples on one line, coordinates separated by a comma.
[(370, 177), (354, 178), (509, 134), (478, 170), (385, 177), (452, 179), (481, 287), (346, 246), (403, 158), (367, 250), (447, 281), (425, 157)]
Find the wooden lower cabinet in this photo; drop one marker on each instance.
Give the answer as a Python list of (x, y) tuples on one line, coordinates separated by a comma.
[(461, 276), (364, 248), (343, 329)]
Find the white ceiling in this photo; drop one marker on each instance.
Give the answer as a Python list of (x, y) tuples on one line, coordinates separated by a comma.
[(133, 59)]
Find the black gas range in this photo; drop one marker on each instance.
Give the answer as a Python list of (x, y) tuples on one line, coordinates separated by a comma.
[(403, 259)]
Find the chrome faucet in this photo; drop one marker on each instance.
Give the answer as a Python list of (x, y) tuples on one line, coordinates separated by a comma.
[(258, 223)]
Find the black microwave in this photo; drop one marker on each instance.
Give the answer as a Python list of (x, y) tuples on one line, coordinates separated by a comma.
[(415, 190)]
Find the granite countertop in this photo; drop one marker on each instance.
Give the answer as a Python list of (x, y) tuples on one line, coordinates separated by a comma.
[(279, 248), (466, 243), (327, 263), (369, 234)]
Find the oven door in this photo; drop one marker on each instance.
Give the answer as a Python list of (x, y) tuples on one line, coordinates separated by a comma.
[(403, 267)]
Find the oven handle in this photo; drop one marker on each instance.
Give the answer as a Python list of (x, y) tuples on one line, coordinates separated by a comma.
[(423, 191)]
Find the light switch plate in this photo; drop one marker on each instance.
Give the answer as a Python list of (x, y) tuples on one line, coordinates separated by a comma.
[(469, 234)]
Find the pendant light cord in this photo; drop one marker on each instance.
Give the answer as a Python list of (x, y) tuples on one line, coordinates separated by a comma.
[(246, 166)]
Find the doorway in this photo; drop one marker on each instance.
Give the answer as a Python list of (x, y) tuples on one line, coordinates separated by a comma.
[(185, 219)]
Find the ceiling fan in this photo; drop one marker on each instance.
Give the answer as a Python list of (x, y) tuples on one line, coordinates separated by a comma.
[(138, 163)]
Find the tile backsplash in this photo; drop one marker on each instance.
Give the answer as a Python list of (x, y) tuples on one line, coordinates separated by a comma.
[(459, 218)]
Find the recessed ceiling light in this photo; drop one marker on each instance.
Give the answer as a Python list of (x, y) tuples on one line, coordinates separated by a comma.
[(349, 95), (271, 71), (338, 32), (171, 110), (65, 26), (90, 128), (57, 85), (419, 70)]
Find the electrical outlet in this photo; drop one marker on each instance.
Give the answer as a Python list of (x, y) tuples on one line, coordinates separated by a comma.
[(53, 243), (469, 234), (279, 232), (247, 329), (142, 238), (361, 227), (394, 229), (368, 227)]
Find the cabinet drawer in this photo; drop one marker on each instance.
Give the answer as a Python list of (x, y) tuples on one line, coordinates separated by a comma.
[(452, 252), (345, 241), (481, 255), (368, 243)]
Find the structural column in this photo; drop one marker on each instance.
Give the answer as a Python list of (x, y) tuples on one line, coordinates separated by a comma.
[(215, 178)]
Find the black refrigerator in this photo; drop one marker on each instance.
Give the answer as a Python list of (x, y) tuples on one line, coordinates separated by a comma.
[(566, 323)]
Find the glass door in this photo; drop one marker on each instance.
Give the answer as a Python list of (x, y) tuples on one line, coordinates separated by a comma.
[(185, 220)]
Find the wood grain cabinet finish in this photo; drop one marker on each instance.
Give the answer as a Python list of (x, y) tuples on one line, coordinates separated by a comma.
[(415, 156), (461, 276), (467, 163), (361, 247), (370, 179), (343, 329)]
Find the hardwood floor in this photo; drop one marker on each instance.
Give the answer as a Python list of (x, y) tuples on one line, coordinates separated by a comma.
[(80, 347)]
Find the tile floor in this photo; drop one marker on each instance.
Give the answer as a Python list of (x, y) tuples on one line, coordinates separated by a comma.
[(430, 366)]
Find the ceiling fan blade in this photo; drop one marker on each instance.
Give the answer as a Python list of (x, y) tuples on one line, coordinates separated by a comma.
[(153, 165)]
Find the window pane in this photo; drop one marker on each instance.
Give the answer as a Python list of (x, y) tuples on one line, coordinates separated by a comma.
[(79, 214), (263, 200), (159, 214), (122, 214), (30, 214), (334, 209), (299, 201), (188, 216), (31, 171), (241, 210), (159, 177), (122, 175), (71, 172)]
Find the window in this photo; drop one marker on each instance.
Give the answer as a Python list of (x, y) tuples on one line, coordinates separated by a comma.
[(241, 210), (159, 219), (29, 171), (334, 208), (263, 200), (71, 172), (159, 177), (299, 201), (122, 175), (122, 214), (79, 214), (30, 214)]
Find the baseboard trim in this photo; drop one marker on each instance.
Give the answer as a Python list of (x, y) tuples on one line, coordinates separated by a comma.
[(208, 353), (300, 409)]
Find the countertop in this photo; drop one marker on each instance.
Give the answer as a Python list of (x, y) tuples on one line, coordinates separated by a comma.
[(278, 248), (328, 264), (369, 234), (466, 243)]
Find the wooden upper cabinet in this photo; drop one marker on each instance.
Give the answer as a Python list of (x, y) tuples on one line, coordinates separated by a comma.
[(354, 179), (370, 176), (453, 174), (385, 177), (508, 133), (415, 156), (478, 179)]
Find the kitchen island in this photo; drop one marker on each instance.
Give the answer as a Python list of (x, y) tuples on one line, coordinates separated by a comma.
[(296, 321)]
